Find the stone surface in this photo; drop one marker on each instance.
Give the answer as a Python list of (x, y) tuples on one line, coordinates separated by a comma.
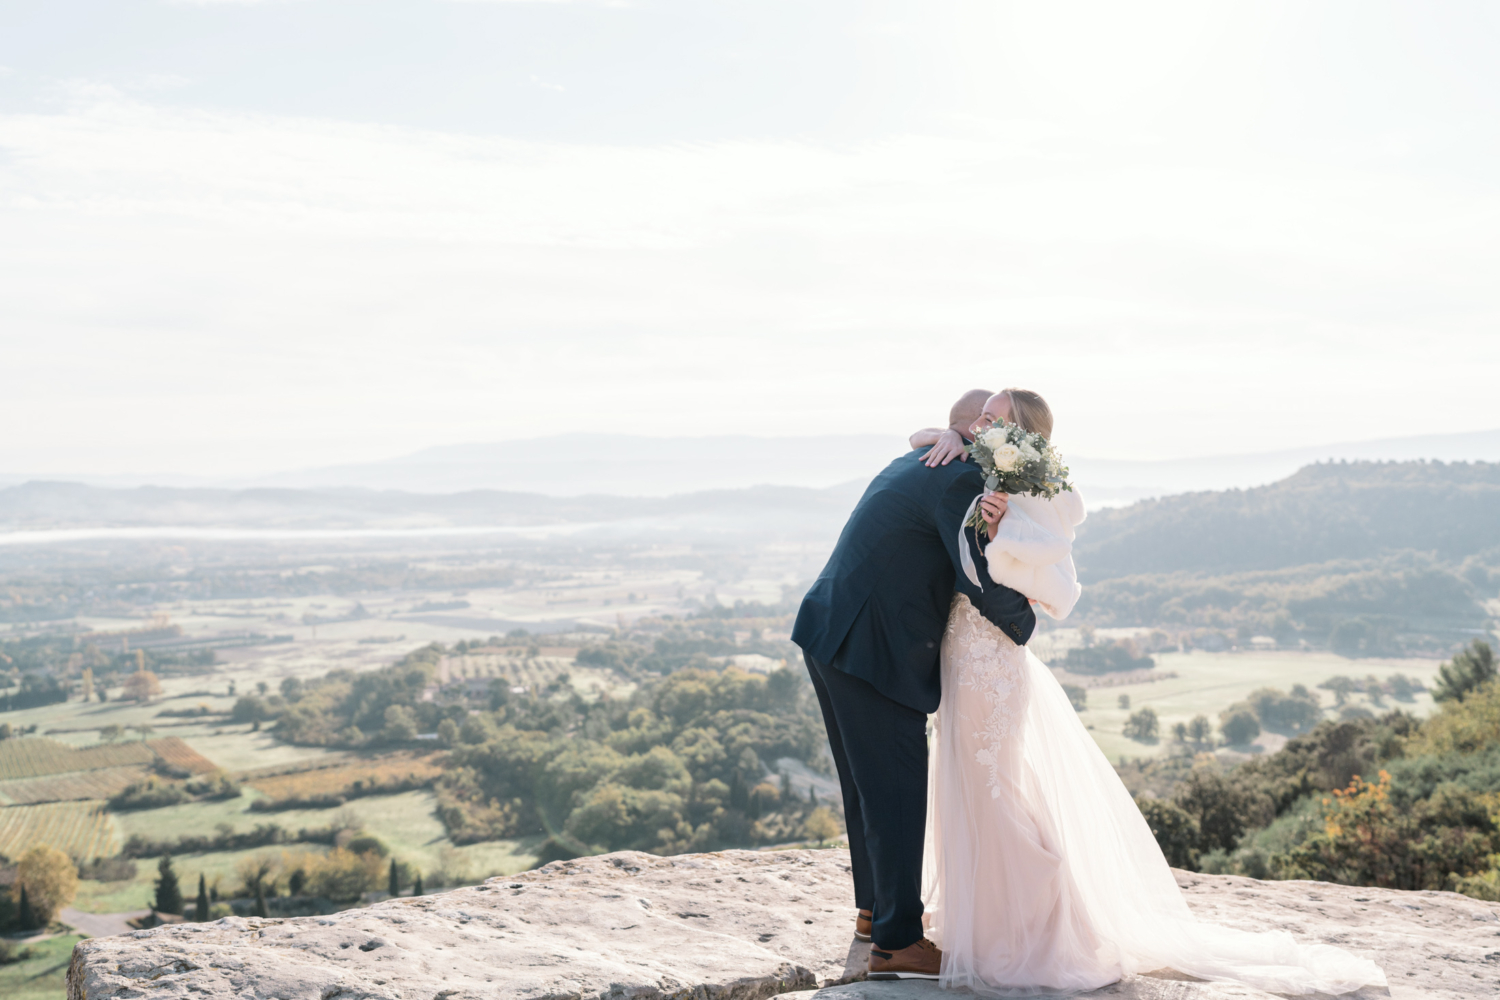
[(739, 925)]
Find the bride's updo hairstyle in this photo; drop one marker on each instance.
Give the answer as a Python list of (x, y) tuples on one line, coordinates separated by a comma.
[(1030, 412)]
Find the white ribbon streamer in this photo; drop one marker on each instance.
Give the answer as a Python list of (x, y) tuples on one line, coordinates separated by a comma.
[(963, 546)]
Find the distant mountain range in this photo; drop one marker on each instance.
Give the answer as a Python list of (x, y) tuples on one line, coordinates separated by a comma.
[(574, 465)]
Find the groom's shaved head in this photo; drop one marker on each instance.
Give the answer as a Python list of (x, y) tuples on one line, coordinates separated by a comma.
[(967, 410)]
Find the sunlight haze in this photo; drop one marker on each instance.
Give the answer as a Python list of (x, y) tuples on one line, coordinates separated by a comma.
[(243, 238)]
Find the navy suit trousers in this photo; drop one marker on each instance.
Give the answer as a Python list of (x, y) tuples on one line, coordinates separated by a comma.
[(880, 749)]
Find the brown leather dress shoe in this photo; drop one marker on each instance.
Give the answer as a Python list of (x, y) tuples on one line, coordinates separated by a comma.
[(922, 960), (864, 923)]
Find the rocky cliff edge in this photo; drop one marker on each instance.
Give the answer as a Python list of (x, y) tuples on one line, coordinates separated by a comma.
[(738, 925)]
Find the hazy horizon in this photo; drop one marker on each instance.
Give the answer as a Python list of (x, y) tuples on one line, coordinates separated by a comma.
[(647, 466)]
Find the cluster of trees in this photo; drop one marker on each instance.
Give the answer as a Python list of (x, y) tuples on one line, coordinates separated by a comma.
[(48, 669), (1272, 710), (1105, 658), (1388, 801), (1397, 686), (342, 708), (33, 691), (1266, 709), (679, 766)]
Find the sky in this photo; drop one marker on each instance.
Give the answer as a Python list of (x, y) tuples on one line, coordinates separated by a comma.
[(242, 237)]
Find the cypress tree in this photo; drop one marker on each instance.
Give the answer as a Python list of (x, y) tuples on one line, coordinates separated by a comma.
[(28, 915), (260, 902), (168, 889), (394, 888), (416, 886), (201, 913)]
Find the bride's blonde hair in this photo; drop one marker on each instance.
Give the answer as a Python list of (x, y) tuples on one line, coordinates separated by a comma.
[(1030, 411)]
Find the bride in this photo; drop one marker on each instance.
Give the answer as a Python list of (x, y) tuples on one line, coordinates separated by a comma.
[(1040, 873)]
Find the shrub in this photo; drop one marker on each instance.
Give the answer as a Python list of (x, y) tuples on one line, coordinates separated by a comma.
[(49, 880), (116, 869), (1078, 697), (153, 793), (1239, 727), (1465, 725), (1368, 839), (1175, 831), (143, 685), (1466, 672), (343, 875), (1288, 714), (1143, 726), (821, 825)]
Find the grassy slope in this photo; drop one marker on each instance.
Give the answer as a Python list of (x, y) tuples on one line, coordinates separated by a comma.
[(44, 975), (404, 822)]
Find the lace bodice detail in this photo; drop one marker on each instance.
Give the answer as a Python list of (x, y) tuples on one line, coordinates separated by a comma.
[(989, 669)]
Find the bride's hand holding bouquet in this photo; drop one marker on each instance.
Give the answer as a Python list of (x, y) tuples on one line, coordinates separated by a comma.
[(1013, 460)]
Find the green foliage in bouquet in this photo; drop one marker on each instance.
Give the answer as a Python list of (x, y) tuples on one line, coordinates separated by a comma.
[(1014, 460)]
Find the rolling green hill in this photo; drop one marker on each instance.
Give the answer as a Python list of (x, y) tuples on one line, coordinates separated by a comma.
[(1364, 557)]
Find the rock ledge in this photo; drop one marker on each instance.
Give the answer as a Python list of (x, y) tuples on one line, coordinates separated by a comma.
[(739, 925)]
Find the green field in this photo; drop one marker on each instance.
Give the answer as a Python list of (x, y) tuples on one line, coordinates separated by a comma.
[(404, 822), (44, 975), (1208, 683)]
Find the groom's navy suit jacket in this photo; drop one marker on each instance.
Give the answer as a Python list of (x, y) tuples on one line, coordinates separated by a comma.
[(879, 608)]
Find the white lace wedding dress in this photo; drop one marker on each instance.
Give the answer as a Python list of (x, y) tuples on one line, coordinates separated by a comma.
[(1041, 875)]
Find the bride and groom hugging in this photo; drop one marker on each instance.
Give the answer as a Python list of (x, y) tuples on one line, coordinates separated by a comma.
[(1004, 855)]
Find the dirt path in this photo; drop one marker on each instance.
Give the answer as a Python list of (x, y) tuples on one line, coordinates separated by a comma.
[(99, 924)]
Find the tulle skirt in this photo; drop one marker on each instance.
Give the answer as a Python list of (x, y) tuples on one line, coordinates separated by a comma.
[(1041, 875)]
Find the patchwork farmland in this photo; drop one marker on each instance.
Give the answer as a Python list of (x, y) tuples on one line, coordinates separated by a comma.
[(79, 829), (38, 769)]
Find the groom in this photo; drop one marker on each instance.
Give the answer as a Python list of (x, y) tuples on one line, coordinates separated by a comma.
[(870, 630)]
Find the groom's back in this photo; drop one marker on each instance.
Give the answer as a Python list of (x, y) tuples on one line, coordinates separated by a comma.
[(879, 607)]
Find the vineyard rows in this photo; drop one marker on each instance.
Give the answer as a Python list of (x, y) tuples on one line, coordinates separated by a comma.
[(78, 829), (531, 672), (179, 754), (328, 781), (35, 756), (100, 783)]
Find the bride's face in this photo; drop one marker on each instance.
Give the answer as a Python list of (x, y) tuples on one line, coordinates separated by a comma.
[(996, 409)]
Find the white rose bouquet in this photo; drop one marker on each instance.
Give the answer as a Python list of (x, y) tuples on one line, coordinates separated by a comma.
[(1016, 461)]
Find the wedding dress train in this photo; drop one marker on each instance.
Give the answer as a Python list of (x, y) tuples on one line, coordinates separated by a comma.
[(1041, 875)]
